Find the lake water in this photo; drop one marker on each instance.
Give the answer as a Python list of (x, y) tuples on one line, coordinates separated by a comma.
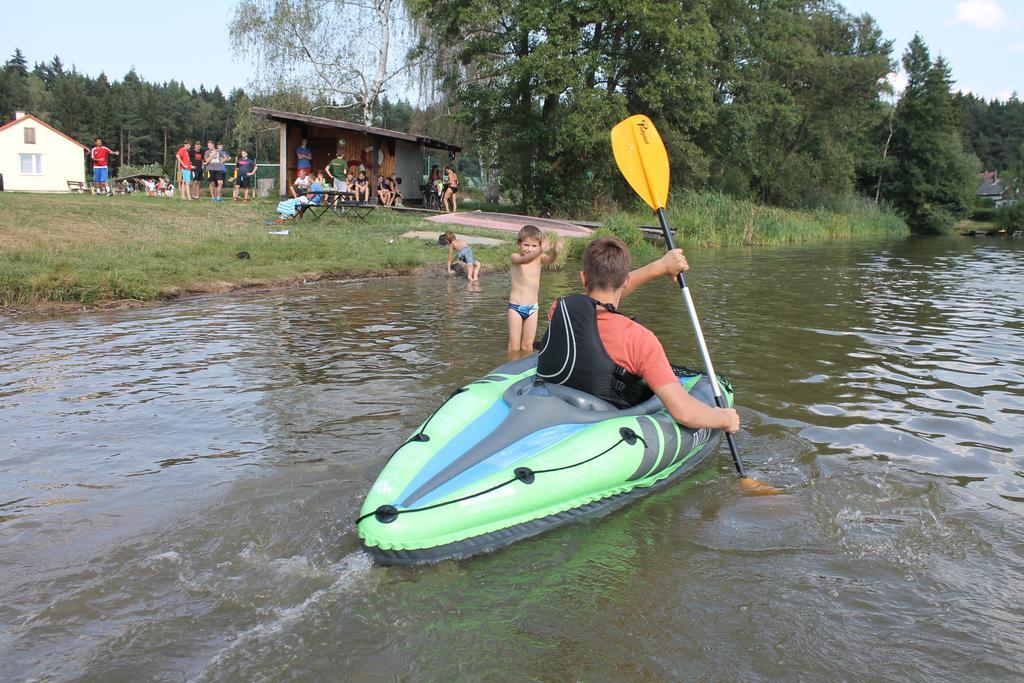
[(178, 486)]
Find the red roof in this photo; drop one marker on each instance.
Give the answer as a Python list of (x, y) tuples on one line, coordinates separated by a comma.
[(41, 123)]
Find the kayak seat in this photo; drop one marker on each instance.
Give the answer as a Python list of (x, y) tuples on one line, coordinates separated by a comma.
[(580, 400), (528, 387)]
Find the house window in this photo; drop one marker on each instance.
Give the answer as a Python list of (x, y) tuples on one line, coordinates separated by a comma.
[(30, 135), (31, 164)]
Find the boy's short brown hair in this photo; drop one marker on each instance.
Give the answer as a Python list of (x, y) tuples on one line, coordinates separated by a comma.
[(449, 237), (606, 263), (528, 231)]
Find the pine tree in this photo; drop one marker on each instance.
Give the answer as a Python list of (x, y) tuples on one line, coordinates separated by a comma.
[(931, 176)]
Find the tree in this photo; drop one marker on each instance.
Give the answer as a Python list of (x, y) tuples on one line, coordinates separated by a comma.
[(776, 99), (336, 50), (931, 176), (13, 85)]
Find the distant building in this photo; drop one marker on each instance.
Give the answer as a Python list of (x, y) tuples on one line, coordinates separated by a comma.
[(992, 188), (36, 157), (378, 151)]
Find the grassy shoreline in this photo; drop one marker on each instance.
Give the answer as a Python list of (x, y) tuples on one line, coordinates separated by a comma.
[(91, 251)]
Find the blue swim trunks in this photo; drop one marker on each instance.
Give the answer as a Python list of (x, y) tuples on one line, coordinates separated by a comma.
[(466, 255), (99, 174), (524, 310), (186, 175)]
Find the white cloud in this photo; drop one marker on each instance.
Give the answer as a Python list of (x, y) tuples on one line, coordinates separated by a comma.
[(898, 81), (985, 14), (1017, 47)]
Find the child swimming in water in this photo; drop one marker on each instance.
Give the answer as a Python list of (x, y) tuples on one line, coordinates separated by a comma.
[(525, 274), (459, 249)]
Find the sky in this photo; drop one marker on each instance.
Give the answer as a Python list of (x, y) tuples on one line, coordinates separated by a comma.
[(982, 40), (187, 40)]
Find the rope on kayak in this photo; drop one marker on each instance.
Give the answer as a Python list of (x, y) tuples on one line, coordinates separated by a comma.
[(386, 514)]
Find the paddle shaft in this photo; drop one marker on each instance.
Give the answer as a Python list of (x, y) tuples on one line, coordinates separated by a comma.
[(705, 356)]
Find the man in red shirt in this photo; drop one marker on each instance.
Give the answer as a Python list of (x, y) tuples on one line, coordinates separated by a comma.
[(100, 177), (183, 159), (590, 346)]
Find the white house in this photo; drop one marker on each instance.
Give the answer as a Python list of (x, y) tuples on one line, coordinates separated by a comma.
[(36, 157)]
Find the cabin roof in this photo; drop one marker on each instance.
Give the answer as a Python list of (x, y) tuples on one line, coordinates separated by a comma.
[(291, 117), (29, 117)]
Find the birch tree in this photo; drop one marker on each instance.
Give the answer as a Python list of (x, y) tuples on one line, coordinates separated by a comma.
[(346, 52)]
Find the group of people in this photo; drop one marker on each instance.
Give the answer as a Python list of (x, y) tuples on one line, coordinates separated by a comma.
[(442, 189), (345, 180), (194, 162), (590, 345)]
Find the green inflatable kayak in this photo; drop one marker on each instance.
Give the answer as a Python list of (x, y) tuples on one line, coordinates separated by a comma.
[(507, 457)]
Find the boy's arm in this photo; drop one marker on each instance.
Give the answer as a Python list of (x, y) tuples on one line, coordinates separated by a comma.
[(688, 411), (451, 252), (520, 260), (671, 264), (553, 256)]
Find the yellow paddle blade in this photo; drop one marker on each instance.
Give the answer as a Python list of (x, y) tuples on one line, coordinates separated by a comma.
[(641, 156)]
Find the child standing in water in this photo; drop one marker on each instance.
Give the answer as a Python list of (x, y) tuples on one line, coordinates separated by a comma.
[(525, 274), (460, 247)]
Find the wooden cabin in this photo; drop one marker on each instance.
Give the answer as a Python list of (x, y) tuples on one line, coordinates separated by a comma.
[(378, 151)]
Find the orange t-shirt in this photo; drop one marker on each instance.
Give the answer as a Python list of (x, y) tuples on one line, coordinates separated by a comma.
[(633, 346)]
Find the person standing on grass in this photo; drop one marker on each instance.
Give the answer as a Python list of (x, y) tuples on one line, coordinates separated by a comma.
[(100, 176), (196, 156), (216, 166), (305, 156), (245, 168), (452, 181), (336, 170), (183, 160)]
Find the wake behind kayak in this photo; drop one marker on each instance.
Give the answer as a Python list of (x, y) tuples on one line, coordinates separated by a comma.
[(509, 456)]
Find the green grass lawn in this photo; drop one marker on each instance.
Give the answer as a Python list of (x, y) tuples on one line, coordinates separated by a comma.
[(88, 249)]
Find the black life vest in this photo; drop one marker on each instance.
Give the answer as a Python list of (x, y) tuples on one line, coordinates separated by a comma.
[(571, 353)]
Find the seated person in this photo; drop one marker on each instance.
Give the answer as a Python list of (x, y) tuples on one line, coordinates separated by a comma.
[(314, 197), (300, 186), (361, 187), (396, 193), (616, 358), (383, 191)]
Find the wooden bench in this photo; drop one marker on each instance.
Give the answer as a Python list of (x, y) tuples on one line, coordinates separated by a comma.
[(654, 232), (77, 186)]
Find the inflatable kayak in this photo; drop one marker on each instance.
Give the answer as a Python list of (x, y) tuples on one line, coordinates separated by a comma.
[(507, 457)]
